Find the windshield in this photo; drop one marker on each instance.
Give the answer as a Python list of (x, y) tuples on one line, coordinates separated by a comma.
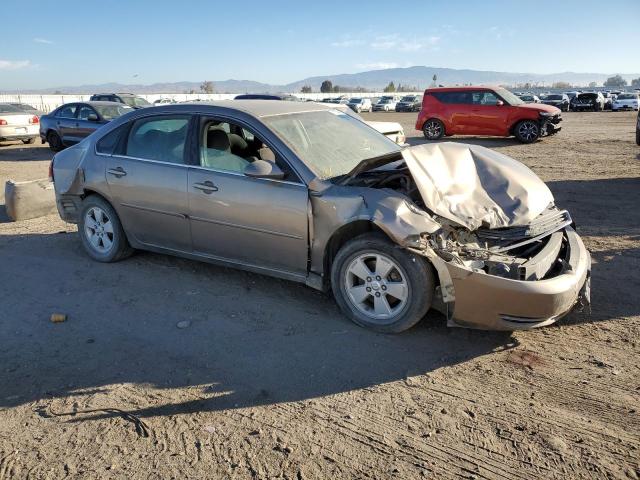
[(6, 108), (109, 112), (508, 97), (408, 99), (330, 142), (135, 101), (355, 100), (627, 96), (554, 97)]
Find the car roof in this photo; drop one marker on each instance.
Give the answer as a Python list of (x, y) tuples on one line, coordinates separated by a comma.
[(121, 94), (94, 103), (257, 108), (461, 89)]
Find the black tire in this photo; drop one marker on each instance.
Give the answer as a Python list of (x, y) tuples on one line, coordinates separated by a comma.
[(55, 142), (527, 131), (433, 129), (29, 141), (120, 248), (638, 135), (417, 274)]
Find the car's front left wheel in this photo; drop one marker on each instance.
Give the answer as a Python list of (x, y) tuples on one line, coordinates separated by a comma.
[(380, 286), (101, 232), (527, 131)]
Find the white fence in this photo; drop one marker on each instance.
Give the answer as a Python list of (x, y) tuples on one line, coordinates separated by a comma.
[(47, 103)]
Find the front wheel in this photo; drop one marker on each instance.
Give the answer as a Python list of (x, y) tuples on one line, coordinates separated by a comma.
[(101, 231), (433, 129), (638, 135), (380, 286), (527, 131), (29, 141)]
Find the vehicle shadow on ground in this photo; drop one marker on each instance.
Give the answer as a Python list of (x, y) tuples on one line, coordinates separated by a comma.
[(25, 153), (489, 142), (251, 340)]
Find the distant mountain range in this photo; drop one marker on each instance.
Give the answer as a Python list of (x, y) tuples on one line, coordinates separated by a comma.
[(418, 76)]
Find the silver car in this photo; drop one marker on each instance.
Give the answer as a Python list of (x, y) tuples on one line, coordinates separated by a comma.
[(306, 192), (18, 124)]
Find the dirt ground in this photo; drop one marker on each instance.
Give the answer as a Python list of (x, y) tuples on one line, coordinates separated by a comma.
[(268, 380)]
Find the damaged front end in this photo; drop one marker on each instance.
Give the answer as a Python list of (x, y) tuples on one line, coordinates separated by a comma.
[(550, 123), (506, 257)]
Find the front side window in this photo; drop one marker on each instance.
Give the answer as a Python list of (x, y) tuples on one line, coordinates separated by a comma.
[(484, 98), (85, 111), (330, 142), (159, 138)]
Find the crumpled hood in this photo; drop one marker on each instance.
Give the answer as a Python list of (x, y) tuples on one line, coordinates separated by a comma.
[(475, 186)]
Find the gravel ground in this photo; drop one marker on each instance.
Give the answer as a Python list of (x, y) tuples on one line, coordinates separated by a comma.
[(266, 379)]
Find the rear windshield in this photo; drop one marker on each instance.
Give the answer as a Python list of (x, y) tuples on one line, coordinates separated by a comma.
[(135, 101), (5, 108), (109, 112)]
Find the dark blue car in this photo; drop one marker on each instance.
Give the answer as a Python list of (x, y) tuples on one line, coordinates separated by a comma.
[(72, 122)]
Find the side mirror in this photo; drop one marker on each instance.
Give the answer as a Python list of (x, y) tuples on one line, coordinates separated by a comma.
[(92, 117), (499, 103), (263, 169)]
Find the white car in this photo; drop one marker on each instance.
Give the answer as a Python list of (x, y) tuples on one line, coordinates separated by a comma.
[(386, 104), (392, 130), (16, 124), (163, 101), (625, 101), (360, 104)]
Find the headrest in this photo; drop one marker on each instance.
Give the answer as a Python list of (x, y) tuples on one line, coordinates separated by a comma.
[(218, 139)]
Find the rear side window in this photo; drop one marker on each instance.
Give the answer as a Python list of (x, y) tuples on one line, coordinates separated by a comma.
[(159, 138), (108, 144), (67, 111), (454, 97)]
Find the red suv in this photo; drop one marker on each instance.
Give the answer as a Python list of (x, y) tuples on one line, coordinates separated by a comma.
[(484, 111)]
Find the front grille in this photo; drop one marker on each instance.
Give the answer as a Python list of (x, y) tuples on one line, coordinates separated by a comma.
[(547, 222)]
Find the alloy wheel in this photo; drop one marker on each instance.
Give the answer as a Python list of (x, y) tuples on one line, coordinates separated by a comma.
[(528, 131), (98, 229), (433, 129), (376, 285)]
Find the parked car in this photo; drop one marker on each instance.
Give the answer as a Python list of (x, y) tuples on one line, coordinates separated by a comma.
[(304, 193), (358, 104), (163, 101), (409, 103), (593, 101), (608, 100), (72, 122), (385, 104), (25, 107), (266, 96), (130, 99), (530, 98), (16, 124), (484, 111), (625, 101), (559, 100), (571, 96)]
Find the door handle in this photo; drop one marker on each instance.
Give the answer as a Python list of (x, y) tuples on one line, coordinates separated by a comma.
[(206, 187), (117, 172)]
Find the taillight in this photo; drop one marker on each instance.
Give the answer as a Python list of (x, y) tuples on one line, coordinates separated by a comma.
[(34, 120), (51, 169), (3, 121)]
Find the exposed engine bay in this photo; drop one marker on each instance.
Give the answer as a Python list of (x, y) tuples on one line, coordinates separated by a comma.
[(529, 252)]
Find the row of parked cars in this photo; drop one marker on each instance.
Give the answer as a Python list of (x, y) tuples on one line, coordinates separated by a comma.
[(585, 101), (385, 103)]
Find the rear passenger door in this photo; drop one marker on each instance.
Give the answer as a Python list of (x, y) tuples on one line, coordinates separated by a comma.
[(66, 122), (147, 178)]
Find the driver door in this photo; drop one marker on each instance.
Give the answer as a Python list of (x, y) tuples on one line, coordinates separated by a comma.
[(257, 223)]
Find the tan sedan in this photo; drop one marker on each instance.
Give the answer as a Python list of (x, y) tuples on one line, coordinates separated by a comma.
[(306, 192)]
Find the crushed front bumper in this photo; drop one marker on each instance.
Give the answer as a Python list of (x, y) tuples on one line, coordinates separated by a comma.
[(551, 125), (496, 303)]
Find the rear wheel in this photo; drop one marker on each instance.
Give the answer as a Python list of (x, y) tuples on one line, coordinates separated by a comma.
[(638, 135), (29, 141), (55, 143), (101, 231), (433, 129), (380, 286), (527, 131)]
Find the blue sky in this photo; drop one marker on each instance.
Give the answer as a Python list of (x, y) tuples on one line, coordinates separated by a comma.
[(134, 41)]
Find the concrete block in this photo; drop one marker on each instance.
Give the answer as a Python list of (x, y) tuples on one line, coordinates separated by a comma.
[(31, 199)]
